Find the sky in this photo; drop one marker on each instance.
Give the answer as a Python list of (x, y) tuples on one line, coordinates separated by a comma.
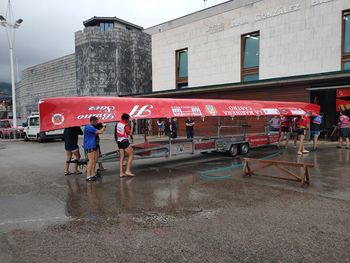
[(47, 31)]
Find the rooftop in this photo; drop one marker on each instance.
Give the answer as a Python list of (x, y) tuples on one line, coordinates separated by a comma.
[(99, 19)]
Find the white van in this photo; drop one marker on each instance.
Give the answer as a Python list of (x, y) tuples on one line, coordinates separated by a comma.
[(32, 130)]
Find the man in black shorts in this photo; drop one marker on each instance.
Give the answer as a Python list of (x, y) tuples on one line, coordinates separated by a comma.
[(71, 146)]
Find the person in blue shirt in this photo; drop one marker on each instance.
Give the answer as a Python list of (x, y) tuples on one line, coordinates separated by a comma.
[(315, 127), (90, 147)]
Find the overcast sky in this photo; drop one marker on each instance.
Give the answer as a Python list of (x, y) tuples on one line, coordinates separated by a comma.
[(49, 25)]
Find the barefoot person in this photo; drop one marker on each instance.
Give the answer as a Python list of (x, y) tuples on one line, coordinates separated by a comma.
[(71, 146), (123, 133), (344, 131), (302, 126), (90, 147)]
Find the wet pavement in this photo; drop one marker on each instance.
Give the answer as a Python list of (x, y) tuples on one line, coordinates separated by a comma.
[(188, 209)]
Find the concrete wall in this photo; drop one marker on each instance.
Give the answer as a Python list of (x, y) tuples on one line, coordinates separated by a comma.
[(55, 78), (296, 37), (113, 63)]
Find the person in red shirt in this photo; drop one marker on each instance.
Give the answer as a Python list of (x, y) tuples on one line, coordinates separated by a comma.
[(303, 123), (286, 123), (123, 131)]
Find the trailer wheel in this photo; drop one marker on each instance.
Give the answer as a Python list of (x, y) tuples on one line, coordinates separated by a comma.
[(233, 150), (244, 148)]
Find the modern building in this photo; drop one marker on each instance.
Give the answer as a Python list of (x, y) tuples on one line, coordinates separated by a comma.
[(112, 58), (290, 50)]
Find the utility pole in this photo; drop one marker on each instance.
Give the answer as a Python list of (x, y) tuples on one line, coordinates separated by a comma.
[(10, 26)]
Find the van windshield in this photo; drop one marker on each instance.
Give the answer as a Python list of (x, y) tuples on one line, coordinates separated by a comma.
[(34, 121)]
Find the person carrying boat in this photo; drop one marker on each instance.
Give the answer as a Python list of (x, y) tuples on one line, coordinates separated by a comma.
[(123, 132)]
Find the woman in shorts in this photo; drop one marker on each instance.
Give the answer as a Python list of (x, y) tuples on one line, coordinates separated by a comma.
[(344, 130), (302, 126)]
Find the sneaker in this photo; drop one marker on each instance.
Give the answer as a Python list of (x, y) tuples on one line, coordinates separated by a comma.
[(91, 179), (300, 153), (305, 151)]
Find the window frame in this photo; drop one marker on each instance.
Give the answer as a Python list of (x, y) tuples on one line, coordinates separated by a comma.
[(345, 57), (178, 80), (252, 70)]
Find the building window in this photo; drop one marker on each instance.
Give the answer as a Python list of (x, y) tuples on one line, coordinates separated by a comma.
[(182, 68), (250, 57), (346, 41), (106, 26)]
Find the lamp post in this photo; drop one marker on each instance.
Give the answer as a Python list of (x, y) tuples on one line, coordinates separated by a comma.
[(10, 26)]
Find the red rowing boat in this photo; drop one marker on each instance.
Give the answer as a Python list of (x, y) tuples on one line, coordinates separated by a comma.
[(59, 113)]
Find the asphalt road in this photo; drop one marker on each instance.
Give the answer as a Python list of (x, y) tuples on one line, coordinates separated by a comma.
[(170, 212)]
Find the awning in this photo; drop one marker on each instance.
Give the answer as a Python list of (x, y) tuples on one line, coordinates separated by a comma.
[(330, 87)]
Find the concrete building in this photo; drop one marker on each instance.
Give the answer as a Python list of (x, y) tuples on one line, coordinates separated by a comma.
[(256, 49), (112, 58)]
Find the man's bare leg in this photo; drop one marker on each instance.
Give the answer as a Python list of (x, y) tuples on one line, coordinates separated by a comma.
[(77, 158), (68, 159), (287, 139), (301, 144), (315, 139), (89, 169)]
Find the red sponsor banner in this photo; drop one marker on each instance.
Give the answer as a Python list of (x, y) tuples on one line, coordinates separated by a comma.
[(342, 105), (342, 93), (59, 113)]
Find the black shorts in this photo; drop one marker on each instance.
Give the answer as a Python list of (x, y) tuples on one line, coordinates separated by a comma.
[(344, 133), (285, 129), (123, 144), (301, 131)]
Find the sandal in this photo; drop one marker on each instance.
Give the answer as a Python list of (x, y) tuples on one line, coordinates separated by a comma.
[(77, 173), (68, 173)]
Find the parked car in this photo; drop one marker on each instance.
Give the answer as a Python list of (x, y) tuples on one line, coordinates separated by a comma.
[(32, 130), (7, 131)]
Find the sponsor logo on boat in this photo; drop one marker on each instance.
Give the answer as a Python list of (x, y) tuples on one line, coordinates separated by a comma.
[(103, 112), (186, 111), (211, 109), (57, 119)]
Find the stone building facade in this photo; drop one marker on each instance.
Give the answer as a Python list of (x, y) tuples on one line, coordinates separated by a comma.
[(112, 58), (55, 78), (113, 63)]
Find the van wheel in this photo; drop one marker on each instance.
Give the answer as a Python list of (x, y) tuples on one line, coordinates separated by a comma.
[(39, 138), (233, 150), (26, 137), (244, 148)]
